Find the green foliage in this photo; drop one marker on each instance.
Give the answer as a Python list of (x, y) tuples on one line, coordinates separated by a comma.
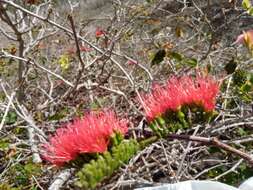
[(98, 103), (60, 114), (246, 4), (191, 62), (170, 122), (246, 87), (239, 77), (19, 130), (162, 126), (2, 96), (116, 139), (182, 119), (213, 150), (182, 60), (21, 174), (7, 187), (176, 56), (232, 178), (156, 128), (97, 170), (4, 143), (149, 1), (241, 132), (243, 82), (166, 52), (10, 118)]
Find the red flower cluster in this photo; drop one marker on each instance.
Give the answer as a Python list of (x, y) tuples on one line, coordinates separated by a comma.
[(90, 134), (178, 92)]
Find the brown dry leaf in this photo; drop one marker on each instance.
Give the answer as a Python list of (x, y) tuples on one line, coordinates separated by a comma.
[(153, 21), (11, 152), (168, 46)]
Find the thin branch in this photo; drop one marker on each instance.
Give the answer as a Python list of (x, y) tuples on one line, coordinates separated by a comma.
[(6, 18), (78, 53), (179, 171), (60, 179), (7, 110), (39, 66), (34, 148), (230, 170), (22, 112), (214, 142), (45, 19), (7, 35), (32, 128)]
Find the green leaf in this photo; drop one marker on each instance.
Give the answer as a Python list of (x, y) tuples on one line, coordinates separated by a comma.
[(32, 169), (4, 143), (246, 4), (213, 150), (59, 115), (243, 167), (191, 62), (96, 170), (10, 118), (240, 77), (161, 121), (177, 56), (251, 78), (158, 57), (5, 187), (250, 11), (247, 87), (241, 131), (97, 104)]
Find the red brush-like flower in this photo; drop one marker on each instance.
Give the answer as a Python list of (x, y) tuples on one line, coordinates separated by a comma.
[(99, 127), (207, 89), (90, 134), (178, 92), (61, 147)]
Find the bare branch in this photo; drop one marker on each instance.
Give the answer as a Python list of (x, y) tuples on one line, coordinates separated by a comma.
[(215, 142), (7, 110), (60, 179)]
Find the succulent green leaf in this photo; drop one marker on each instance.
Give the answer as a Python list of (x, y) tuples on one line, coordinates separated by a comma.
[(246, 4), (97, 170)]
